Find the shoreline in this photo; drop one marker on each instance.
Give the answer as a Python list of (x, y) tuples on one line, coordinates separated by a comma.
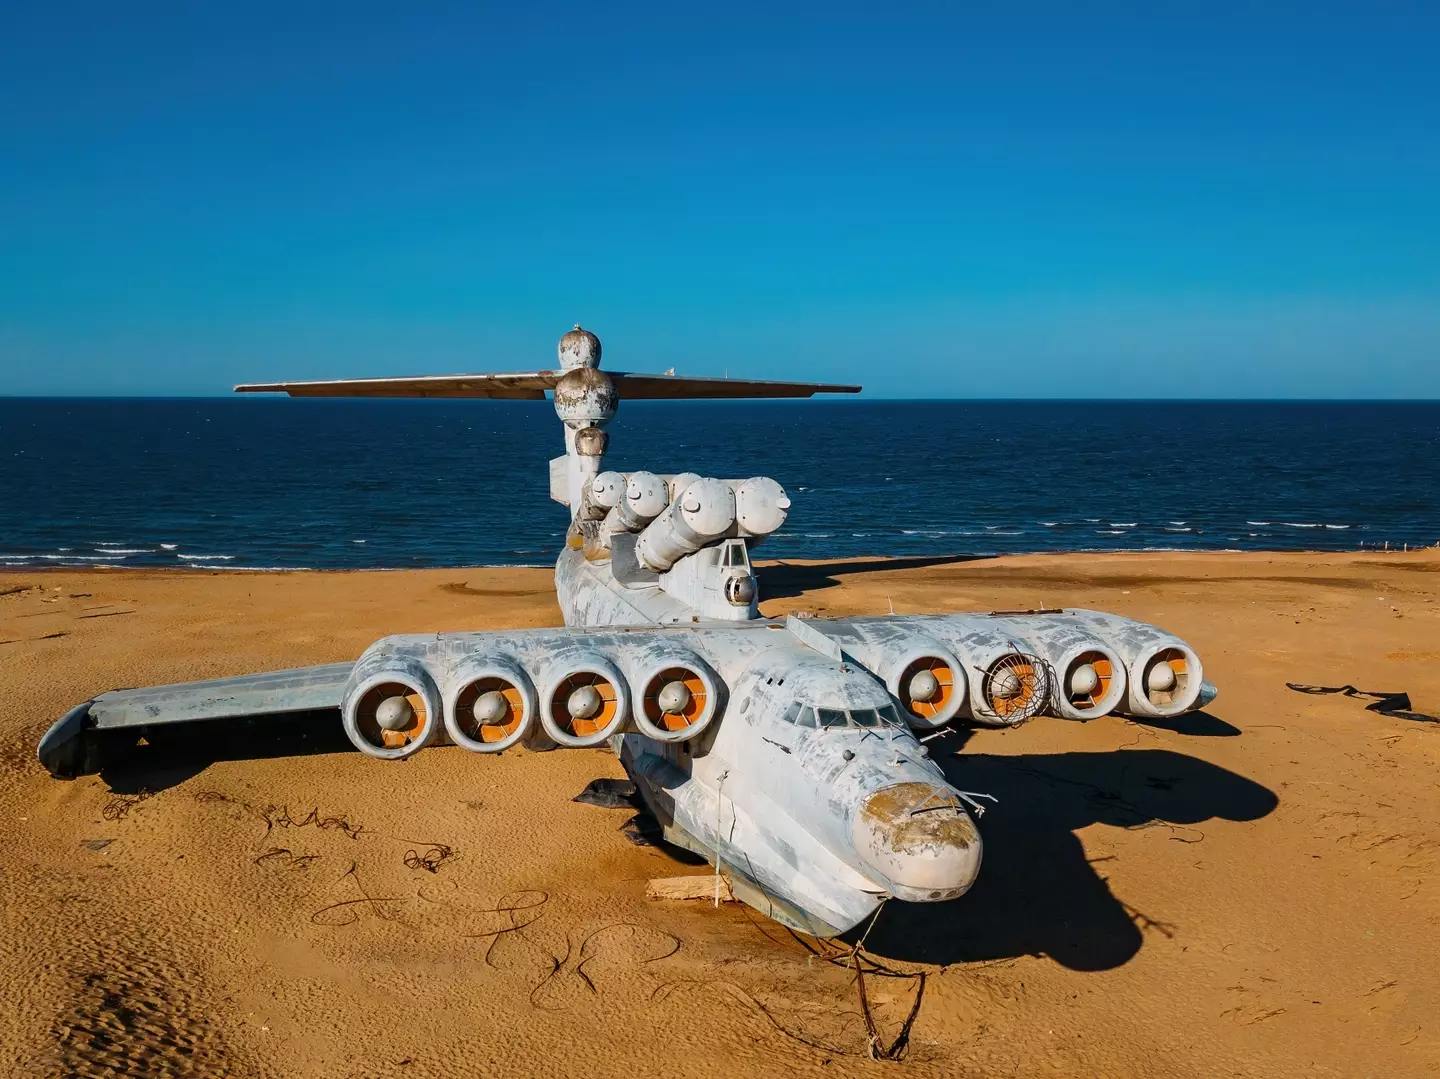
[(897, 562)]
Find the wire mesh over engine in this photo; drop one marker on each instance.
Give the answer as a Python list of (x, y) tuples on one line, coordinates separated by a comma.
[(1012, 689)]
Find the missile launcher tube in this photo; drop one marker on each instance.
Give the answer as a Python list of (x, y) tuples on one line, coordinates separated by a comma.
[(602, 494), (645, 497), (678, 482), (761, 506), (704, 512)]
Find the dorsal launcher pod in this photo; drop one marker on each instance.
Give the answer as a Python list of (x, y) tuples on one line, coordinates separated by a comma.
[(704, 513)]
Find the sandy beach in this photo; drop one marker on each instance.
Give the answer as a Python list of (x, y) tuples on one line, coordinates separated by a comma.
[(1247, 891)]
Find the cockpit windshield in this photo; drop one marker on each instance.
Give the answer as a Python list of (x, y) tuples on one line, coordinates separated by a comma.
[(803, 715), (733, 555)]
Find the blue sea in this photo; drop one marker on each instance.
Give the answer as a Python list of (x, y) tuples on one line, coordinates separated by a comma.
[(277, 484)]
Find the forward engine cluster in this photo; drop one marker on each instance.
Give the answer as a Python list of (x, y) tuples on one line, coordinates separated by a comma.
[(563, 688)]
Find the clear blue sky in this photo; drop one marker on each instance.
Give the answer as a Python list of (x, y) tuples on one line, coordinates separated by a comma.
[(977, 204)]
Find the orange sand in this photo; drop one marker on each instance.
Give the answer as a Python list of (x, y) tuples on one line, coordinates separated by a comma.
[(1250, 891)]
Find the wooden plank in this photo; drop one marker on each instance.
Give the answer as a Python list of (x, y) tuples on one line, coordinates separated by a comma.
[(692, 887)]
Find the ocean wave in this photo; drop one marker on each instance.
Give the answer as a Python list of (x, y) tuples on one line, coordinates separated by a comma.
[(168, 546), (1048, 524), (126, 550), (1299, 524), (1259, 524), (251, 569), (1111, 531), (74, 557), (1122, 524), (206, 557), (1168, 529), (1020, 533), (1338, 527), (819, 535)]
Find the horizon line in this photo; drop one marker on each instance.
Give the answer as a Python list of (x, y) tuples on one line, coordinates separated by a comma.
[(847, 400)]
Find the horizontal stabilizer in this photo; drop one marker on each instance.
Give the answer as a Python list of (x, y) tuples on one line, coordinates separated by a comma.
[(515, 386), (531, 386)]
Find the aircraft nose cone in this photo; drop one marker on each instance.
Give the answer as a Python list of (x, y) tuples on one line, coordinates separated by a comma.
[(920, 840)]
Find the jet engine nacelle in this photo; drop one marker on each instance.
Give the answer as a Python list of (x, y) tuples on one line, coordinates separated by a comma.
[(584, 699), (704, 512), (1089, 678), (490, 703), (922, 674), (678, 695), (1008, 683), (1165, 676), (391, 706)]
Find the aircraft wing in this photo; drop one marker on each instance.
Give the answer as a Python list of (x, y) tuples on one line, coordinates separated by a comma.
[(531, 386), (304, 689)]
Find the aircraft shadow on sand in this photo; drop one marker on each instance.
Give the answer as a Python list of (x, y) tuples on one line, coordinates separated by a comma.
[(789, 580), (1037, 893)]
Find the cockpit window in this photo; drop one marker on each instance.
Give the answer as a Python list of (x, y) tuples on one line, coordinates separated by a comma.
[(802, 715), (734, 556)]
